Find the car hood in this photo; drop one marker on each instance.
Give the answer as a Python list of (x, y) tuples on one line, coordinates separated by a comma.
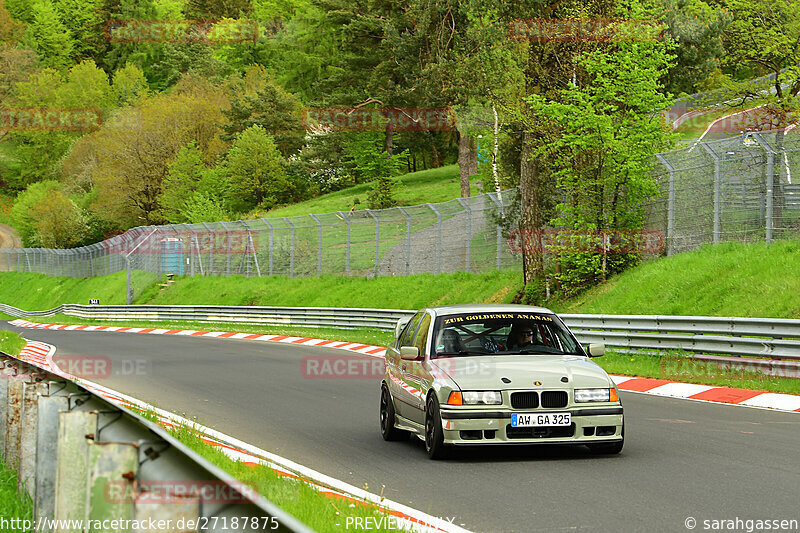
[(522, 371)]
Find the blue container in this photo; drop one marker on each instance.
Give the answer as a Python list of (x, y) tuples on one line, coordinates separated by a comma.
[(172, 256)]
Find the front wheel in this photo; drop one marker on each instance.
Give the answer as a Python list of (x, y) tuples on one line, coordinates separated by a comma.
[(388, 430), (434, 434)]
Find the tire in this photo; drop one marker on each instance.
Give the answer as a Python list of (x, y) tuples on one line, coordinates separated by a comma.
[(389, 432), (612, 448), (434, 435)]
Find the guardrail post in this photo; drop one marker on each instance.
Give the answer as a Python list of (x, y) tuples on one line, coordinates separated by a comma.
[(27, 436), (466, 207), (46, 453), (72, 464), (12, 429), (319, 244), (438, 238), (717, 192), (408, 240), (377, 239), (109, 462), (670, 204), (347, 250), (291, 248)]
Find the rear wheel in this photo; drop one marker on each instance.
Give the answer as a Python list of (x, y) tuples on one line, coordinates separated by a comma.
[(388, 430), (434, 434), (610, 448)]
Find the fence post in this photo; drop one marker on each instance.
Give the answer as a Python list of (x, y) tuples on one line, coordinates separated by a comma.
[(228, 249), (438, 238), (319, 244), (408, 240), (670, 205), (212, 235), (770, 184), (469, 232), (291, 249), (717, 192), (377, 239), (347, 250), (498, 202)]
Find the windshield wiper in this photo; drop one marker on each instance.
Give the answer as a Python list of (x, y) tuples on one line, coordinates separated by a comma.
[(462, 352)]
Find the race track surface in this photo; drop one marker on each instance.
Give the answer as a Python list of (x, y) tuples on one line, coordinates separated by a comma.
[(681, 458)]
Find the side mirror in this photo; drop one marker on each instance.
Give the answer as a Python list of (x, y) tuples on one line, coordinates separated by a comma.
[(596, 350), (409, 352), (400, 325)]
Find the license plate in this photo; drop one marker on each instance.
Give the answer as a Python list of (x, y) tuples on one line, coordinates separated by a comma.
[(540, 419)]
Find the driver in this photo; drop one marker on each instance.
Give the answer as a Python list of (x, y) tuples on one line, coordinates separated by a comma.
[(520, 337)]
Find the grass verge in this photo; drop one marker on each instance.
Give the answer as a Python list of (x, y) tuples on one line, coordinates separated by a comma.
[(14, 504), (361, 335), (679, 367), (11, 343)]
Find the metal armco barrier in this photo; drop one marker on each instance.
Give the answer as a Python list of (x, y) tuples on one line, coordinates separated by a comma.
[(83, 458), (771, 338)]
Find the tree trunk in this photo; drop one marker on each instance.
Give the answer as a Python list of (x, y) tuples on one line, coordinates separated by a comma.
[(389, 138), (464, 163), (473, 156), (531, 217), (435, 157)]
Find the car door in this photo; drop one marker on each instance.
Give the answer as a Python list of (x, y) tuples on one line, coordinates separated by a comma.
[(415, 375), (394, 366)]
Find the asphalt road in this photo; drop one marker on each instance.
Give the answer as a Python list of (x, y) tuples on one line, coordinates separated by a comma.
[(681, 458)]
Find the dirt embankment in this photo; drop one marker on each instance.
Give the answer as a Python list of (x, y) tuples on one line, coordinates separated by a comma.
[(9, 237)]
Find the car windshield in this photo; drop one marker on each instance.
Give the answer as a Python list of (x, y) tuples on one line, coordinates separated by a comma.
[(502, 334)]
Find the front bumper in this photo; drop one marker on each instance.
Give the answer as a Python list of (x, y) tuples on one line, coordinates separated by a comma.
[(463, 427)]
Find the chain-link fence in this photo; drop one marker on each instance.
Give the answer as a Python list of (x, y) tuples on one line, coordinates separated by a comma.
[(744, 188), (462, 234), (740, 188)]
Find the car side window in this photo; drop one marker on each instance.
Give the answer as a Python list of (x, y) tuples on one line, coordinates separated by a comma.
[(421, 339), (408, 332)]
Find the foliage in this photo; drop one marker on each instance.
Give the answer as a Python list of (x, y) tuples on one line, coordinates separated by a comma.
[(601, 155), (254, 167), (48, 36), (45, 217)]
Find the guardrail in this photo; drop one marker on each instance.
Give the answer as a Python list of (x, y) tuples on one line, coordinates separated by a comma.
[(770, 338), (83, 458)]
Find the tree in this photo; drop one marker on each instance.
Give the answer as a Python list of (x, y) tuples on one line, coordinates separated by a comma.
[(191, 190), (607, 130), (269, 107), (217, 9), (45, 217), (83, 19), (254, 169), (129, 157), (11, 31), (128, 86), (48, 36)]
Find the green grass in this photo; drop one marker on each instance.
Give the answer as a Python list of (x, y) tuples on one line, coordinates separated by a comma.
[(434, 185), (36, 292), (13, 503), (362, 335), (729, 279), (318, 511), (10, 342), (677, 367), (397, 292), (695, 126)]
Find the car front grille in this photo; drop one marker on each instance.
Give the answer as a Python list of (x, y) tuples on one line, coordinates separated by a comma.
[(553, 399), (525, 400), (543, 432)]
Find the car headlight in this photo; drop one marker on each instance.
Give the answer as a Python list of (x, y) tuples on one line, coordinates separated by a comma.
[(595, 395), (486, 397)]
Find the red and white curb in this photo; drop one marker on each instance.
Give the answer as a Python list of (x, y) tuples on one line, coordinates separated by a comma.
[(656, 387), (709, 393), (364, 349), (41, 355)]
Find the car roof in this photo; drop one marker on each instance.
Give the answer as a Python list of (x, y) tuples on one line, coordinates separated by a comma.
[(487, 308)]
